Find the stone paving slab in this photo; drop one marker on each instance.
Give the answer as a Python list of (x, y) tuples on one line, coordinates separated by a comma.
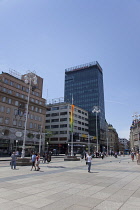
[(114, 183)]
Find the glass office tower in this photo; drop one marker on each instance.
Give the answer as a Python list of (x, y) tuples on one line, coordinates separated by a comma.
[(84, 84)]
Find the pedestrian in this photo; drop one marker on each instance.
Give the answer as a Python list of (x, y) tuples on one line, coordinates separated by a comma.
[(33, 158), (137, 157), (38, 161), (13, 161), (44, 158), (132, 156), (88, 159)]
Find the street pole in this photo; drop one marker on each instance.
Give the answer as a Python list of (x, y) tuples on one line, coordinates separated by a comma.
[(16, 144), (72, 143), (88, 143), (26, 118), (40, 139), (96, 110), (96, 132), (29, 79), (107, 145)]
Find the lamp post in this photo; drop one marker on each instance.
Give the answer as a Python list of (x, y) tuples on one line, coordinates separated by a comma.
[(16, 144), (136, 118), (96, 110), (40, 139), (68, 148), (88, 143), (47, 146), (30, 79)]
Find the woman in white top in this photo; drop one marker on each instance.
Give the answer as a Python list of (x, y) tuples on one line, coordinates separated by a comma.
[(89, 158)]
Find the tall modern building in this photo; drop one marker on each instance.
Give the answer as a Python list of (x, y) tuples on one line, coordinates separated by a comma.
[(84, 85)]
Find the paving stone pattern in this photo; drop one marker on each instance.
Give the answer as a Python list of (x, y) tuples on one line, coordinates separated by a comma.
[(114, 183)]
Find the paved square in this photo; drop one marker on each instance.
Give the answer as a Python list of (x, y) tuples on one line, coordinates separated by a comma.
[(114, 183)]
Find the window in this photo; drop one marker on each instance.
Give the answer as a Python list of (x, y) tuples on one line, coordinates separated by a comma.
[(35, 125), (2, 108), (47, 127), (40, 110), (11, 83), (10, 91), (6, 81), (47, 121), (40, 118), (18, 86), (48, 109), (32, 100), (55, 132), (40, 102), (4, 90), (4, 99), (63, 119), (1, 119), (6, 120), (36, 117), (47, 115), (63, 126), (55, 120), (9, 100), (32, 108), (16, 103), (14, 122), (17, 94), (63, 139), (63, 132), (63, 107), (32, 116), (15, 111), (22, 96), (31, 125), (54, 139), (19, 123), (55, 126), (36, 101), (36, 109), (7, 110), (55, 114), (63, 113), (55, 108)]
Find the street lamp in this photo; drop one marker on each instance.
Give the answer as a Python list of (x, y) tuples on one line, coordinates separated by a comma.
[(96, 110), (16, 144), (136, 118), (68, 148), (30, 79), (47, 146)]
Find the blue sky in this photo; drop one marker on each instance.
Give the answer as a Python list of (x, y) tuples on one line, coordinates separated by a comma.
[(49, 36)]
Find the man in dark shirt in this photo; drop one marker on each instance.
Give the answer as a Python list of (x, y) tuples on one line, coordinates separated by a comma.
[(13, 161)]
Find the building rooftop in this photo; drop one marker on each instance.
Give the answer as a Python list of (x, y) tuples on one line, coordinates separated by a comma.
[(83, 66)]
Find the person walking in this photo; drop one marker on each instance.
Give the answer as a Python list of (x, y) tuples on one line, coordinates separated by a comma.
[(13, 161), (88, 159), (132, 156), (38, 161), (33, 158)]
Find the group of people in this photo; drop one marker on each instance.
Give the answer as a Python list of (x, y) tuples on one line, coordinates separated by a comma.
[(35, 161), (133, 155), (47, 157), (35, 158)]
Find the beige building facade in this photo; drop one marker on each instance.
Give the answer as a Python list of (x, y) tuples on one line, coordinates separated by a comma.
[(14, 93)]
